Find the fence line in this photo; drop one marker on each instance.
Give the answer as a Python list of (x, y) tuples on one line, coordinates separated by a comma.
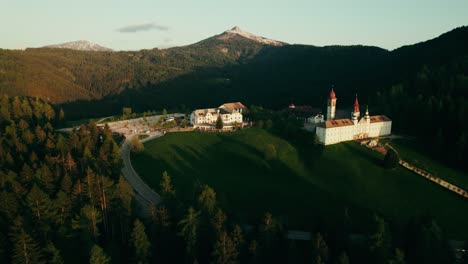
[(434, 179)]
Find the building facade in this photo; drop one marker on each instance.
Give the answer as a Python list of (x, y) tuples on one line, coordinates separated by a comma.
[(334, 131), (230, 113)]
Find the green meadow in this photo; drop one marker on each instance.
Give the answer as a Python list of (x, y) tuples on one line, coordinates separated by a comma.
[(303, 184)]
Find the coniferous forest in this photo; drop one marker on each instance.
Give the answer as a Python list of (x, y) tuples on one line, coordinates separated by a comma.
[(63, 200)]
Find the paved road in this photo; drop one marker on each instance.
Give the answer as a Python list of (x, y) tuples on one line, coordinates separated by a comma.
[(70, 129), (144, 195)]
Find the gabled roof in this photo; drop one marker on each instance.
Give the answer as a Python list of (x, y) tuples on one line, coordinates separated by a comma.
[(338, 123), (233, 106), (379, 118)]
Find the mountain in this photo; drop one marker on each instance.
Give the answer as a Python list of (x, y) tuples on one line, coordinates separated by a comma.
[(235, 31), (232, 65), (79, 45)]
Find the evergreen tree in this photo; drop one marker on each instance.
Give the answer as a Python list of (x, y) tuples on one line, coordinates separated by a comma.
[(238, 238), (63, 207), (88, 221), (140, 242), (380, 241), (25, 249), (167, 189), (26, 174), (66, 184), (53, 254), (219, 122), (219, 220), (98, 256), (39, 203), (189, 230), (391, 159), (319, 248), (225, 251), (207, 199)]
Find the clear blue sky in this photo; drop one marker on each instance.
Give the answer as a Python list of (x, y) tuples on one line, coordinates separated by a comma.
[(153, 23)]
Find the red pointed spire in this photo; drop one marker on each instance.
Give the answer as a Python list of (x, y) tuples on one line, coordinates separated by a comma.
[(332, 94), (356, 105)]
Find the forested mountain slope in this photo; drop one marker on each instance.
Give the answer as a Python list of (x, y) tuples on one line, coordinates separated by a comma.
[(424, 86)]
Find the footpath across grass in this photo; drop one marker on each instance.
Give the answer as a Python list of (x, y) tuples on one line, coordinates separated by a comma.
[(413, 152), (305, 185)]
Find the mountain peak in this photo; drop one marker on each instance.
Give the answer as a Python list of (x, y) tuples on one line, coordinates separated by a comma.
[(236, 31), (79, 45)]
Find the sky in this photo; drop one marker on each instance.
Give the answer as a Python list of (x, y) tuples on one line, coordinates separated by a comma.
[(147, 24)]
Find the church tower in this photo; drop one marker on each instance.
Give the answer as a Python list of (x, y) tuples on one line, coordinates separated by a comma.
[(331, 107), (355, 114)]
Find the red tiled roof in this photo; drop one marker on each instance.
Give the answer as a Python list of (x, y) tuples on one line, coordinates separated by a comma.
[(332, 94), (356, 105), (379, 118), (338, 123), (235, 105)]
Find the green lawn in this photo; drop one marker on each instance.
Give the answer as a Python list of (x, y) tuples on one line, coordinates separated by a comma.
[(306, 185)]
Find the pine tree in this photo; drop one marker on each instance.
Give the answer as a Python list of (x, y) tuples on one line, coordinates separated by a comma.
[(49, 112), (140, 242), (189, 230), (66, 183), (53, 254), (238, 238), (122, 204), (70, 164), (224, 251), (62, 206), (319, 248), (47, 179), (380, 241), (167, 189), (219, 220), (98, 256), (39, 204), (25, 249), (40, 134), (26, 108), (26, 174), (88, 220), (391, 159), (124, 196), (219, 122), (207, 199), (16, 106), (160, 217)]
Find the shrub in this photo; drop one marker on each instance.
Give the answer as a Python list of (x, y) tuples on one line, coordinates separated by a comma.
[(391, 159), (136, 145)]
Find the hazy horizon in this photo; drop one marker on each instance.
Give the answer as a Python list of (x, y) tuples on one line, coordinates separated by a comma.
[(145, 24)]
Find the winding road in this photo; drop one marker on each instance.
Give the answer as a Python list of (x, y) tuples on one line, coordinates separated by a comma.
[(143, 194)]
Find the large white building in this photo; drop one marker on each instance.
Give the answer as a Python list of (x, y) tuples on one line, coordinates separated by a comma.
[(231, 113), (333, 130)]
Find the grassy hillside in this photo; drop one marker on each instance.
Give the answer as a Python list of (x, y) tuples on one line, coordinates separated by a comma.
[(306, 184)]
